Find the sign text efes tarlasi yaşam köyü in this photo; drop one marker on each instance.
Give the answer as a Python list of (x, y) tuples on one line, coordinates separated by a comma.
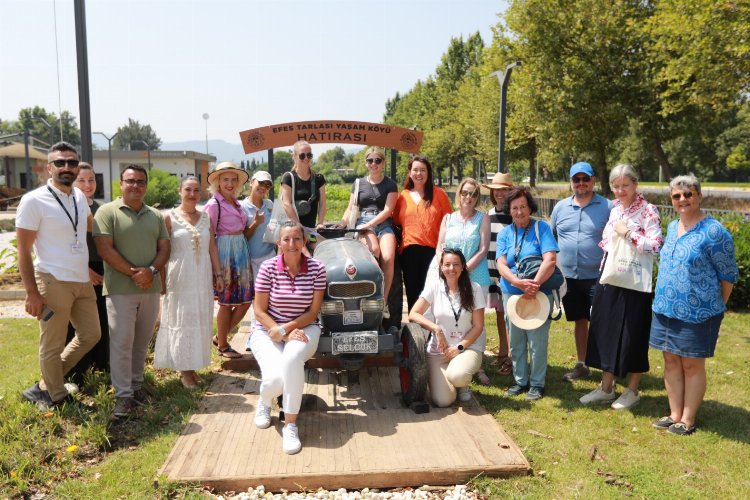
[(331, 132)]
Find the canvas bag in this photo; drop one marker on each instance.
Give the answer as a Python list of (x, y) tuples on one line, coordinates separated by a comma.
[(354, 214), (278, 218), (626, 268)]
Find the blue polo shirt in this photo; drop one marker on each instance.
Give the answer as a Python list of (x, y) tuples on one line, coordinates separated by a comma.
[(578, 231)]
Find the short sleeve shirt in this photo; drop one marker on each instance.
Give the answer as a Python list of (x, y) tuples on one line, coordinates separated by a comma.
[(289, 297), (135, 236), (420, 223), (60, 250), (578, 231), (303, 191), (511, 237), (373, 196), (444, 309), (256, 246), (691, 269), (232, 220)]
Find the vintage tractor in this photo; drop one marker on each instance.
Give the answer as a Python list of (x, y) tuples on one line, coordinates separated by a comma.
[(352, 316)]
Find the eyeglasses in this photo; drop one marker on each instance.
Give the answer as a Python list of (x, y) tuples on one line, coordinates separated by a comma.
[(377, 161), (135, 182), (62, 163), (265, 184), (581, 178), (302, 156), (471, 194), (687, 195)]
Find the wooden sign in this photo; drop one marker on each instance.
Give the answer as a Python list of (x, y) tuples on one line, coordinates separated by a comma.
[(331, 132)]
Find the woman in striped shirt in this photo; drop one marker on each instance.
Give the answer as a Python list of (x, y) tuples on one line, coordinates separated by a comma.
[(288, 294)]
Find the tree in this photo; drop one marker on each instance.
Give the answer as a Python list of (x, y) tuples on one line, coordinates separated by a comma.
[(282, 162), (31, 119), (129, 137)]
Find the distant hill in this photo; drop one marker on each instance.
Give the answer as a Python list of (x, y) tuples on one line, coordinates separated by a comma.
[(224, 151)]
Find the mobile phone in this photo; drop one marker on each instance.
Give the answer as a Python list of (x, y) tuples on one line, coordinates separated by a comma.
[(47, 313)]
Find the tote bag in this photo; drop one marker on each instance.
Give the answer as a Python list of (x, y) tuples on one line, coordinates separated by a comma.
[(354, 214), (626, 268), (278, 218)]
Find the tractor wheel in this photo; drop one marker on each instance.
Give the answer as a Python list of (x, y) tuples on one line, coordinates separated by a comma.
[(413, 371)]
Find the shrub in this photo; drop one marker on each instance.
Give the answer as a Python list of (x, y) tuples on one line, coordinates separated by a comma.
[(162, 189)]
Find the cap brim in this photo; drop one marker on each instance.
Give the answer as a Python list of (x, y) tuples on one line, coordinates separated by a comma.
[(531, 322), (241, 174)]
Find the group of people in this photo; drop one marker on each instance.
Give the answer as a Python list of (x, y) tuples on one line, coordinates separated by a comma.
[(98, 300)]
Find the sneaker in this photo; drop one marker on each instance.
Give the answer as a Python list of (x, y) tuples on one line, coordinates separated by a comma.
[(386, 312), (290, 439), (464, 394), (579, 372), (38, 396), (262, 415), (123, 406), (627, 400), (598, 396), (663, 423), (515, 390), (535, 393), (681, 429), (141, 396)]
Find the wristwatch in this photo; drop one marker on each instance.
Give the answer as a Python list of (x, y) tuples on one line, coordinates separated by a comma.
[(460, 347), (153, 270)]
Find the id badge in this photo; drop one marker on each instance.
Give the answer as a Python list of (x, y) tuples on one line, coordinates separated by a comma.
[(76, 248), (455, 335)]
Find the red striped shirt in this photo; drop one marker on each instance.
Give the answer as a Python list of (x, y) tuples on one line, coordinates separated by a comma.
[(289, 297)]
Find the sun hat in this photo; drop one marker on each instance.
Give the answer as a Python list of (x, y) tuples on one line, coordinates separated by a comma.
[(262, 176), (228, 166), (500, 181), (528, 314), (581, 168)]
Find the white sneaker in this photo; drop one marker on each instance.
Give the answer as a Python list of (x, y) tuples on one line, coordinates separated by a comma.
[(290, 439), (464, 394), (627, 400), (598, 396), (262, 415), (71, 387)]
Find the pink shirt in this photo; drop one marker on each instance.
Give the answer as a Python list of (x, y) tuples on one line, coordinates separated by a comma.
[(233, 219), (289, 297)]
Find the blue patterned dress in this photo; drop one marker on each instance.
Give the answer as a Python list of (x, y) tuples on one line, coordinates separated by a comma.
[(466, 236)]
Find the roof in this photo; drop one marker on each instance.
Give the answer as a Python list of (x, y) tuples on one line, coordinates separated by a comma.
[(17, 150), (155, 153)]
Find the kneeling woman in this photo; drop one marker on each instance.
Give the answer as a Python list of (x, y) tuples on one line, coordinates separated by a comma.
[(288, 294), (454, 351)]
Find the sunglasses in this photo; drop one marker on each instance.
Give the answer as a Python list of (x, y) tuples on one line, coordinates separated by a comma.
[(265, 184), (377, 161), (470, 194), (62, 163), (302, 156), (135, 182), (581, 178), (687, 195)]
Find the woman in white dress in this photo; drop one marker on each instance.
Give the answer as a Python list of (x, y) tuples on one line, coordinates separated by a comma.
[(184, 339)]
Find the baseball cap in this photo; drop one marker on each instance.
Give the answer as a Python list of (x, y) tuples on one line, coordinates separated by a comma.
[(262, 176), (581, 168)]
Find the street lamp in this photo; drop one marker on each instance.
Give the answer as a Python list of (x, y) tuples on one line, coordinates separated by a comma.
[(50, 129), (504, 78), (148, 151), (109, 147), (205, 117)]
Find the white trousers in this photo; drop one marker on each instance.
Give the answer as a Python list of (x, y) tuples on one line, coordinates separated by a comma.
[(282, 366), (446, 376)]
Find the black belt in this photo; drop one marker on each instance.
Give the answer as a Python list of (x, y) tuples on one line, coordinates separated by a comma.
[(367, 212)]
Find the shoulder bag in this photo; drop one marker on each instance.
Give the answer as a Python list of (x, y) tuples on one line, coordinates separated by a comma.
[(278, 217), (626, 268), (354, 214)]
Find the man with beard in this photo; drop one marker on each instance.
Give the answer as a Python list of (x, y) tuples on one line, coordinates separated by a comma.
[(53, 219)]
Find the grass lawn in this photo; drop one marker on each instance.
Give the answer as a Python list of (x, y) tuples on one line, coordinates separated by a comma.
[(574, 450)]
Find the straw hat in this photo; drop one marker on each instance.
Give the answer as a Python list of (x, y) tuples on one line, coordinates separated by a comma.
[(228, 166), (500, 181), (528, 314)]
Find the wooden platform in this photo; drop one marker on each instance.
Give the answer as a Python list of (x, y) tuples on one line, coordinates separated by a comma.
[(355, 433)]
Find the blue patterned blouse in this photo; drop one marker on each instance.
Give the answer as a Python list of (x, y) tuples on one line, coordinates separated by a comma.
[(691, 268), (467, 236)]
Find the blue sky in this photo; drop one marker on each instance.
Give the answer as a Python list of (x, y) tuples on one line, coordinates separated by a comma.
[(246, 63)]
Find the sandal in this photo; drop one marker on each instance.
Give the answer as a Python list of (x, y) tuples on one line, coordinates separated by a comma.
[(483, 378), (228, 352), (506, 366), (215, 341)]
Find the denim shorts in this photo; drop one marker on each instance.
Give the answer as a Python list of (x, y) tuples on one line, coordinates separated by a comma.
[(689, 340), (381, 229)]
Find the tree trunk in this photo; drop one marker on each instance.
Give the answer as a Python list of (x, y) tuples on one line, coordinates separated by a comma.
[(532, 162), (450, 174), (601, 162), (663, 159)]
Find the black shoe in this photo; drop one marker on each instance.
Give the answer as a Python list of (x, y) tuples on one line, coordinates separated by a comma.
[(681, 429), (141, 396), (39, 397), (515, 390), (663, 423)]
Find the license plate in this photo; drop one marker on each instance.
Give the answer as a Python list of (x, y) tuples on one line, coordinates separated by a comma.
[(352, 317), (354, 342)]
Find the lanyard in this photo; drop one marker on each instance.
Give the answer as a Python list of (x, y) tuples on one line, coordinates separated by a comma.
[(456, 314), (75, 209), (515, 239)]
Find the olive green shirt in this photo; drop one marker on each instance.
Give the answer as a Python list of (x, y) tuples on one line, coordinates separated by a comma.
[(135, 236)]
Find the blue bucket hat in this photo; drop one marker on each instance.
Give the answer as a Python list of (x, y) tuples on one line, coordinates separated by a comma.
[(581, 168)]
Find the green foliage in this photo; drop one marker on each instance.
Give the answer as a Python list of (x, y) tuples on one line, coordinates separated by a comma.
[(31, 119), (9, 258), (161, 192), (129, 137)]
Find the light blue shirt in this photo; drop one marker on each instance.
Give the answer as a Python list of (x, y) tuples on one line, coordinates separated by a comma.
[(691, 269), (510, 237), (256, 246), (578, 231)]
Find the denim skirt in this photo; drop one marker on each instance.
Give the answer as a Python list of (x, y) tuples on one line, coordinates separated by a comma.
[(689, 340)]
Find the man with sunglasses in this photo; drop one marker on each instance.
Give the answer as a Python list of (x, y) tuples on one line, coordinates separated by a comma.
[(577, 223), (53, 220)]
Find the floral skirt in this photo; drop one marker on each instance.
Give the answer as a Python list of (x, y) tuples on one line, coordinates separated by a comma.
[(235, 269)]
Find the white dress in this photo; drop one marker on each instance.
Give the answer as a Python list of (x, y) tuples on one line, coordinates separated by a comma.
[(184, 339)]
